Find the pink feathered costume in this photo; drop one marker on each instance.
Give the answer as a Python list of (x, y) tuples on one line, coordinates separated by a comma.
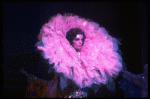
[(99, 52)]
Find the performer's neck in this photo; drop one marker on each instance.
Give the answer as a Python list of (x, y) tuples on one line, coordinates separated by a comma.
[(77, 50)]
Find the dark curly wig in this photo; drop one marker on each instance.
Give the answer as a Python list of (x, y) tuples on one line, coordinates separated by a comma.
[(71, 34)]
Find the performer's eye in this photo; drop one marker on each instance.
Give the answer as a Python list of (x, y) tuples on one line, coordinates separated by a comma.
[(76, 39)]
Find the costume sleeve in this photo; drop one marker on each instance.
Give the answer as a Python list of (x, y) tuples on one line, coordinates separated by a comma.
[(135, 79)]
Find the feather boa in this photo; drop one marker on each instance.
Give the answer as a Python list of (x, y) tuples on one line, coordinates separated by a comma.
[(98, 55)]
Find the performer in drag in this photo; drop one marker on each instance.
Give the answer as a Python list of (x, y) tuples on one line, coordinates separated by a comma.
[(83, 55), (81, 51)]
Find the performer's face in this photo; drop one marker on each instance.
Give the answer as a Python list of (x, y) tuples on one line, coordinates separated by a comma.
[(77, 42)]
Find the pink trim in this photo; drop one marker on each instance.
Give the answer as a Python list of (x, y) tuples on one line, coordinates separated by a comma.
[(98, 52)]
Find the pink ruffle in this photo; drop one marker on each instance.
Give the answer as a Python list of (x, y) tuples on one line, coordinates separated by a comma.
[(99, 51)]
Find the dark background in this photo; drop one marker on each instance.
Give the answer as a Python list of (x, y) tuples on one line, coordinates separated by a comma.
[(22, 22)]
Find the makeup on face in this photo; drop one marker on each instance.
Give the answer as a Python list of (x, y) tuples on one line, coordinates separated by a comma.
[(77, 42), (78, 39)]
